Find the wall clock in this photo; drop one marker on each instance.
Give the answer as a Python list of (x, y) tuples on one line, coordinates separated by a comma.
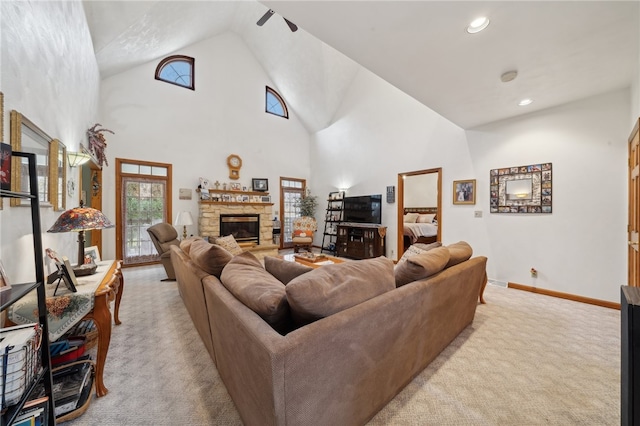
[(234, 162)]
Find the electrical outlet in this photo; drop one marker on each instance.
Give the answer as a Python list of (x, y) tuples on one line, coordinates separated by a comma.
[(477, 213)]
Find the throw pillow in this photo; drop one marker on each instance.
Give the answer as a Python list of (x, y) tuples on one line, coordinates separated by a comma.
[(418, 248), (229, 243), (421, 266), (425, 218), (209, 257), (257, 289), (459, 252), (334, 288), (185, 245), (427, 247), (284, 270), (301, 233), (411, 217)]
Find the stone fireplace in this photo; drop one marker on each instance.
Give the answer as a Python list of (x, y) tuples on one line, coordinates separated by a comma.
[(212, 212)]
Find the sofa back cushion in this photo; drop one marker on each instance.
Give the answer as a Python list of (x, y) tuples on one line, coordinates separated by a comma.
[(334, 288), (459, 252), (421, 266), (211, 258), (245, 278), (284, 270), (185, 245)]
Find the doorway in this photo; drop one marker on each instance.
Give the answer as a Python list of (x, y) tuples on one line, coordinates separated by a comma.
[(419, 191), (144, 199), (292, 190)]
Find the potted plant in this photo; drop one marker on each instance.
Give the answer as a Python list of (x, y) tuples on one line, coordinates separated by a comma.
[(308, 204)]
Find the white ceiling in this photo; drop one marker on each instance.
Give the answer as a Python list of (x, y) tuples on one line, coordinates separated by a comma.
[(562, 50)]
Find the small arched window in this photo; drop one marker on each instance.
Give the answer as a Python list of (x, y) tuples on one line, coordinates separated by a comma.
[(177, 69), (274, 104)]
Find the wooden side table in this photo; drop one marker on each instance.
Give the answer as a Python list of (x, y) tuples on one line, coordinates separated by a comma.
[(110, 289)]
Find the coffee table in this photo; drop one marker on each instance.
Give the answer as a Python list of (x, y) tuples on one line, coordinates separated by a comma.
[(328, 260)]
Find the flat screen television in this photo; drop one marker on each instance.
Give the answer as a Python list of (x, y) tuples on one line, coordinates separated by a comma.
[(363, 209)]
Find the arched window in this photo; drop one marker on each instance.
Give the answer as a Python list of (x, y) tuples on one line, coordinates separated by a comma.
[(274, 104), (177, 69)]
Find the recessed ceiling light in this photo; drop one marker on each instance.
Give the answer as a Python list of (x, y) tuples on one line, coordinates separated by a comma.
[(478, 25), (525, 102)]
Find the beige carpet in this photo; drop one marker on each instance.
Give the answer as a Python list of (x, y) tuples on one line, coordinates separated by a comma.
[(527, 359)]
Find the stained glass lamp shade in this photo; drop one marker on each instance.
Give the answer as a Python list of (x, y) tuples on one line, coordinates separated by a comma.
[(80, 219)]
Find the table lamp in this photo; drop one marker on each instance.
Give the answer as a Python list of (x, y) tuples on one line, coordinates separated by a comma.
[(184, 218), (80, 219)]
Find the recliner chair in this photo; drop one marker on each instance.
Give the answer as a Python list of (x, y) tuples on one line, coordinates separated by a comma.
[(164, 235)]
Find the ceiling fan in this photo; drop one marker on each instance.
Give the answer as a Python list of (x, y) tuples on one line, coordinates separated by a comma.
[(293, 27)]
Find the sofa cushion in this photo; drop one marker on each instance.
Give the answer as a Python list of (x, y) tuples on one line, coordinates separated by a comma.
[(421, 266), (459, 252), (245, 278), (229, 243), (185, 245), (334, 288), (284, 270), (211, 258)]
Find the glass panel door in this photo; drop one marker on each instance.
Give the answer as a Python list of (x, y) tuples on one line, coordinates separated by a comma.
[(144, 199), (144, 205), (291, 191)]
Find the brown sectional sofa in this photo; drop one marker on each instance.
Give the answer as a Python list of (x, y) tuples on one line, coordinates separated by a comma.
[(341, 369)]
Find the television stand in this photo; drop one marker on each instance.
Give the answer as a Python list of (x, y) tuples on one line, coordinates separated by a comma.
[(360, 240)]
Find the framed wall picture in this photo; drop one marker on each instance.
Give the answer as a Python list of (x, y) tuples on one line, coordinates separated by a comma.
[(93, 253), (260, 185), (521, 189), (68, 276), (266, 198), (5, 166), (464, 191), (235, 186)]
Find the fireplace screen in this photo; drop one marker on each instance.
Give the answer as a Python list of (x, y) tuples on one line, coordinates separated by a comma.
[(245, 228)]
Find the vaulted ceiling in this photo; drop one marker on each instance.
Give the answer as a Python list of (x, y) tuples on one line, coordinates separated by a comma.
[(562, 50)]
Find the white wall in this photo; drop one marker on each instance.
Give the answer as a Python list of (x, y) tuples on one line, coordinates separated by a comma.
[(581, 247), (196, 130), (49, 74)]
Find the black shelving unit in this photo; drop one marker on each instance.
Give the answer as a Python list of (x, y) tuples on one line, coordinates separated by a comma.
[(17, 291), (333, 217)]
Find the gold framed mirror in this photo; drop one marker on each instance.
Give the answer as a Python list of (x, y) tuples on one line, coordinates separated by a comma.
[(419, 207), (26, 136)]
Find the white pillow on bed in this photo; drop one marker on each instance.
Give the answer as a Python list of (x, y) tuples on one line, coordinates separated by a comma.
[(411, 217), (425, 218)]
